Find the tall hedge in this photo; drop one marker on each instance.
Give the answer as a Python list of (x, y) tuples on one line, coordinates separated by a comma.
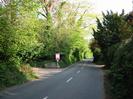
[(111, 30), (114, 36), (122, 71)]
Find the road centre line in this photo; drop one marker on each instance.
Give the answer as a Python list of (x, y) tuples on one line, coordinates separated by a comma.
[(45, 97), (69, 79)]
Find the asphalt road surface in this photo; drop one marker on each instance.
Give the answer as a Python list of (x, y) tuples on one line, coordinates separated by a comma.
[(80, 81)]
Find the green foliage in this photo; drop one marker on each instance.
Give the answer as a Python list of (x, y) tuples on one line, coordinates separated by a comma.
[(64, 35), (10, 75), (30, 30), (114, 38), (27, 71), (111, 52), (7, 38), (18, 43), (95, 48), (112, 30), (122, 71)]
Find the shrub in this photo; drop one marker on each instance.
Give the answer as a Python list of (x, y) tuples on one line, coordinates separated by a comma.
[(112, 30), (10, 75), (122, 71), (97, 54)]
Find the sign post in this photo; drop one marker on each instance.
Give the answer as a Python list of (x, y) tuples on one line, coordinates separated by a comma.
[(57, 57)]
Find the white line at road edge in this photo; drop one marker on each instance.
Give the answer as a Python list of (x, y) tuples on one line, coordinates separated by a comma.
[(69, 80), (45, 97), (78, 71)]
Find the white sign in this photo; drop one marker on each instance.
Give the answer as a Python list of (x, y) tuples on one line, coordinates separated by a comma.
[(57, 56)]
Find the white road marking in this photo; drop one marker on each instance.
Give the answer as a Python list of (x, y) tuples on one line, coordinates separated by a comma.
[(69, 80), (45, 97), (78, 71), (82, 67)]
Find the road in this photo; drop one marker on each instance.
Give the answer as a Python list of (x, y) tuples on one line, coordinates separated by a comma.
[(80, 81)]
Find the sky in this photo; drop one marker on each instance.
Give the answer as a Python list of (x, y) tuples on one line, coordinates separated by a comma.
[(99, 6), (114, 5), (104, 5)]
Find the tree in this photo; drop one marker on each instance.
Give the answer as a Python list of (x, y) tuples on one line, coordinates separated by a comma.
[(112, 30), (65, 34)]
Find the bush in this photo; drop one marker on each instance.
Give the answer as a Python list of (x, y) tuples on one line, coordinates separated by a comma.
[(113, 29), (114, 37), (28, 72), (122, 71), (111, 53), (97, 54), (10, 75)]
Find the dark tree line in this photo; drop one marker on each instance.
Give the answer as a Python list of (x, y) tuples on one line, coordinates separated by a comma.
[(113, 45)]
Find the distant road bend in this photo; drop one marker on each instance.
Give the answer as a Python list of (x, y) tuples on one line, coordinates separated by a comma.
[(81, 81)]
